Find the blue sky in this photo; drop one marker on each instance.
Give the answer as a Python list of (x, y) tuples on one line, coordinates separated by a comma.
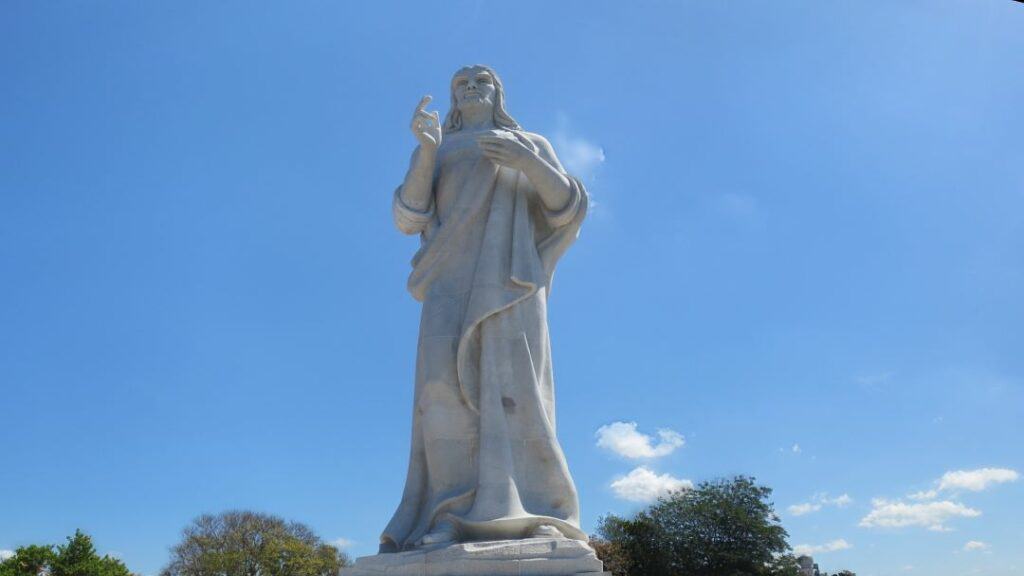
[(805, 262)]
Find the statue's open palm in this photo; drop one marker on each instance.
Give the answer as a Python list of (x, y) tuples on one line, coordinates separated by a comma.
[(426, 126)]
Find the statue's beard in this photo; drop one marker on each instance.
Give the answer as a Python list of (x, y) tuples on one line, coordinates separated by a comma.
[(476, 108)]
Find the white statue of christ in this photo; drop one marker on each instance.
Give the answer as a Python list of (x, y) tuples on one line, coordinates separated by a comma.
[(495, 211)]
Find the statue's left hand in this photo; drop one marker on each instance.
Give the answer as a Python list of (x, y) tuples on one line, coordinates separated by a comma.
[(507, 151)]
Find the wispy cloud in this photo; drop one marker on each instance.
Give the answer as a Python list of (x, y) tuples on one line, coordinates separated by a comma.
[(342, 543), (624, 439), (976, 480), (815, 549), (967, 480), (926, 510), (803, 508), (875, 381), (579, 156), (644, 485), (842, 501), (818, 501), (931, 515), (5, 554), (976, 546)]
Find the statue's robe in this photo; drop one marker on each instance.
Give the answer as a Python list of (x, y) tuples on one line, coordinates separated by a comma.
[(484, 454)]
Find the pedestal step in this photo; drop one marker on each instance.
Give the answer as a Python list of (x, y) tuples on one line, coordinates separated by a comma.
[(529, 557)]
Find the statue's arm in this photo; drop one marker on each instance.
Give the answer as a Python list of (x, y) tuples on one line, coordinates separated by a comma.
[(569, 194), (560, 195), (548, 177), (418, 187), (413, 205)]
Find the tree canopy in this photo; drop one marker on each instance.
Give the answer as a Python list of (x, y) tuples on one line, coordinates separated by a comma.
[(77, 557), (719, 528), (243, 543)]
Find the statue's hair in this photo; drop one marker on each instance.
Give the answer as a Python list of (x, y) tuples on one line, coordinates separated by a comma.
[(453, 121)]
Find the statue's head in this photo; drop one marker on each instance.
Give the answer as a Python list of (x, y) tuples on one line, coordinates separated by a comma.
[(478, 89)]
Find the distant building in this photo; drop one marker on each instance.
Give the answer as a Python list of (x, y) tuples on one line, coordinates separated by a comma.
[(807, 566)]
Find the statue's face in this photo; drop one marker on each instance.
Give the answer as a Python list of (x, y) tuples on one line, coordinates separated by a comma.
[(474, 87)]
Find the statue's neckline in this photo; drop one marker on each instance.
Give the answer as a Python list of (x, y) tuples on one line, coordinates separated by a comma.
[(462, 134)]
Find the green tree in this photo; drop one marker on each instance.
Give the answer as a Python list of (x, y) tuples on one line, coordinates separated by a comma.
[(720, 528), (616, 559), (75, 558), (243, 543), (78, 558), (28, 561)]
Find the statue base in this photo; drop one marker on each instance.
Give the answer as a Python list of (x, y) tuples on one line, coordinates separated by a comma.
[(529, 557)]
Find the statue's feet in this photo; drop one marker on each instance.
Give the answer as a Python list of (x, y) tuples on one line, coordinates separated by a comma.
[(443, 533), (546, 531)]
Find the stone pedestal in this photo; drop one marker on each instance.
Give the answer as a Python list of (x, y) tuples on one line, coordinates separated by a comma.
[(529, 557)]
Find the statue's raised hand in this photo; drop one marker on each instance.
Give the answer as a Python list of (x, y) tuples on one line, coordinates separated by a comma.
[(426, 126)]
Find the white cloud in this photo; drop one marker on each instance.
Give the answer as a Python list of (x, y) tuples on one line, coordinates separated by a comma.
[(644, 485), (970, 480), (975, 546), (976, 480), (802, 509), (842, 501), (624, 439), (796, 449), (5, 554), (924, 495), (579, 156), (342, 543), (812, 550), (818, 502), (930, 515)]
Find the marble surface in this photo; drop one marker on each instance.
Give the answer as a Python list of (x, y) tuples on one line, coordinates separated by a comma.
[(488, 490), (494, 211), (526, 557)]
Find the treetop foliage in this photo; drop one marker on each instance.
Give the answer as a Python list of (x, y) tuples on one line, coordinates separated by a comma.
[(719, 528), (77, 557), (244, 543)]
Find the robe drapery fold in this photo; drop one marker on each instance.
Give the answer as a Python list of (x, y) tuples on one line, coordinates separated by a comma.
[(485, 458)]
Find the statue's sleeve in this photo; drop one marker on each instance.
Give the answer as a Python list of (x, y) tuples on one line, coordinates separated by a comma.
[(559, 218), (562, 217), (410, 220)]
